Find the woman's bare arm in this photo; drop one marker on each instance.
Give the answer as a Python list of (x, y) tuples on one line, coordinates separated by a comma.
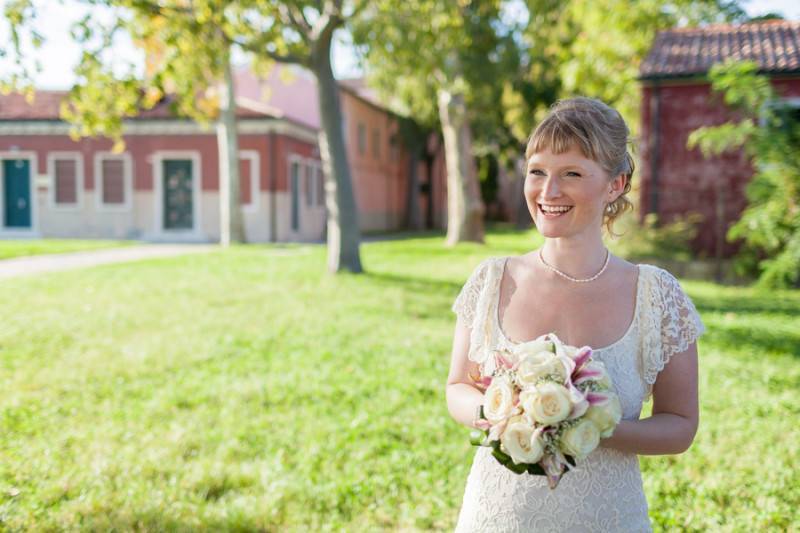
[(673, 425), (463, 396)]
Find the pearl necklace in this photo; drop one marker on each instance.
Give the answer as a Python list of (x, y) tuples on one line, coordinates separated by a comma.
[(557, 271)]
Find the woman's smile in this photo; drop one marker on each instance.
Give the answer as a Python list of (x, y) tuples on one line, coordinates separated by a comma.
[(551, 212)]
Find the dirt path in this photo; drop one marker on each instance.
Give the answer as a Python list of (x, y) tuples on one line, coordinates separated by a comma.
[(36, 264)]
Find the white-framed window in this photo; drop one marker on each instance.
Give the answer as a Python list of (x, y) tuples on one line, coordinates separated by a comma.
[(362, 139), (376, 143), (66, 177), (113, 177), (249, 179), (393, 148)]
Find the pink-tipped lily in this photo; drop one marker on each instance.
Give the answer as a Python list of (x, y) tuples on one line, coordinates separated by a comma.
[(497, 430), (580, 402), (596, 397), (553, 468), (585, 374), (503, 361), (581, 356), (562, 460), (483, 424), (481, 381)]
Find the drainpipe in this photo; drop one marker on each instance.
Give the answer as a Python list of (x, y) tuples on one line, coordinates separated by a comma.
[(655, 140), (273, 186)]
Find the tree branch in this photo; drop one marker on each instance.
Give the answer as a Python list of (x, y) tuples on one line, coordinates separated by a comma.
[(259, 50), (291, 16)]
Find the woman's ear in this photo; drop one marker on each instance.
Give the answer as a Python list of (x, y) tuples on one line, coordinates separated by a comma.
[(617, 186)]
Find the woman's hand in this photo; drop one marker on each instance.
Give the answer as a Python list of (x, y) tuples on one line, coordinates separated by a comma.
[(614, 440)]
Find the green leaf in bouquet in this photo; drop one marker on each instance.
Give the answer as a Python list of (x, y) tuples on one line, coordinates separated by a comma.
[(504, 459), (517, 468), (478, 436), (536, 470)]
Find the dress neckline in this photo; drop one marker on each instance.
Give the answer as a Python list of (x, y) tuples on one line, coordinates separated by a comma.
[(496, 313)]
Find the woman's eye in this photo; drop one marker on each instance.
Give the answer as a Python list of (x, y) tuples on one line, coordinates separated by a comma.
[(536, 172), (573, 174)]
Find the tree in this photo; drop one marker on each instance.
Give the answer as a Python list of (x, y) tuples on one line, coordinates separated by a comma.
[(188, 62), (769, 132), (289, 31), (597, 46), (432, 57)]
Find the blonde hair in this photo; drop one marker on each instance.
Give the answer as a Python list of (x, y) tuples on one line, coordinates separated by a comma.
[(599, 132)]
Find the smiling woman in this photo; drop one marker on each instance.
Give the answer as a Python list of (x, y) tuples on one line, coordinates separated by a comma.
[(636, 319)]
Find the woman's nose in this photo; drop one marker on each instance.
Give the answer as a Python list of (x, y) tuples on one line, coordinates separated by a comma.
[(550, 188)]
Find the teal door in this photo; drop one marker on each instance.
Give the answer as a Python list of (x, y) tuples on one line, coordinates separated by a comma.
[(17, 192), (177, 187)]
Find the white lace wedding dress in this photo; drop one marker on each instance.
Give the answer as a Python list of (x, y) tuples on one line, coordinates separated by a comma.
[(604, 493)]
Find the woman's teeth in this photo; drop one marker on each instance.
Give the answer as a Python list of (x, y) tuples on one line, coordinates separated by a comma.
[(554, 213)]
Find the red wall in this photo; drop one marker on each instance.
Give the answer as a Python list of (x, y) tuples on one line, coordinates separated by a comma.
[(141, 147), (686, 180)]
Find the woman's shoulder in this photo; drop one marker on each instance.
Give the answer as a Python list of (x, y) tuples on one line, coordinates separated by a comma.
[(487, 264), (662, 276)]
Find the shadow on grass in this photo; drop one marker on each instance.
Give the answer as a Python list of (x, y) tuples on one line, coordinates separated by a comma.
[(446, 288), (737, 337), (748, 304)]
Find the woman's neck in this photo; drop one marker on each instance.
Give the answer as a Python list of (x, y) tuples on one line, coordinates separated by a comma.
[(575, 258)]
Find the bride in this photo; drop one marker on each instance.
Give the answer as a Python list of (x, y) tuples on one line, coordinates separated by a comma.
[(638, 320)]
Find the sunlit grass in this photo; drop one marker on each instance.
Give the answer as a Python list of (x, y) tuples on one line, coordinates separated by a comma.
[(24, 247), (247, 390)]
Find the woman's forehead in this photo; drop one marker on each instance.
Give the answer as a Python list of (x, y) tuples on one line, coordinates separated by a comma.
[(571, 156)]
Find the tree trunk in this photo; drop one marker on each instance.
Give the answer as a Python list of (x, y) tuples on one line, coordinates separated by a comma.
[(231, 223), (343, 233), (465, 209)]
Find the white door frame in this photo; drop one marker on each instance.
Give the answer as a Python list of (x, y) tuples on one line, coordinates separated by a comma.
[(158, 158), (33, 230)]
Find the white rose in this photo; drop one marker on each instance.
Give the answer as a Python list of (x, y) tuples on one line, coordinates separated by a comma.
[(498, 401), (579, 440), (538, 365), (606, 415), (522, 442), (534, 346), (548, 403)]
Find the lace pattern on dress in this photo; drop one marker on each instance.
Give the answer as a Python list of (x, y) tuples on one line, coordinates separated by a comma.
[(470, 306), (673, 324)]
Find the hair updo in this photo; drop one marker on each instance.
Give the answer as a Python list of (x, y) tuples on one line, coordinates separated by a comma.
[(599, 132)]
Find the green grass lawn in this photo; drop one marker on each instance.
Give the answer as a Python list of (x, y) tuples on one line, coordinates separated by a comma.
[(247, 390), (23, 247)]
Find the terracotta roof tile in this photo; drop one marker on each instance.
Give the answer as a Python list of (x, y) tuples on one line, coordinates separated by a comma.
[(45, 106), (774, 45)]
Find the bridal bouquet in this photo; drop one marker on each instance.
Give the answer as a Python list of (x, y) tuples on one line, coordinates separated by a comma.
[(546, 404)]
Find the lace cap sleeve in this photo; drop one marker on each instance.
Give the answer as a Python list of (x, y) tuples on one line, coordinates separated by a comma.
[(465, 305), (677, 322)]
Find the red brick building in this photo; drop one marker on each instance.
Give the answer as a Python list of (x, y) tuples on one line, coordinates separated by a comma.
[(677, 99), (165, 185)]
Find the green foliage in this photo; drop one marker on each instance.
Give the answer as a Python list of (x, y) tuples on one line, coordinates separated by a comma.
[(413, 49), (218, 401), (769, 132), (650, 240), (595, 47)]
